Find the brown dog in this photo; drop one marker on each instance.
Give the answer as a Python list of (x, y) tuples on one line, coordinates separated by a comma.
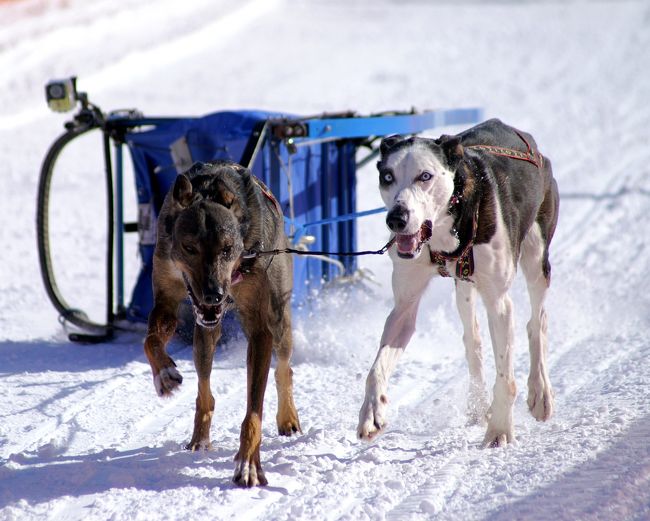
[(211, 224)]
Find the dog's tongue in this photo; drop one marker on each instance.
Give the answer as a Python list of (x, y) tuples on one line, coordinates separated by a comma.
[(407, 243), (236, 277)]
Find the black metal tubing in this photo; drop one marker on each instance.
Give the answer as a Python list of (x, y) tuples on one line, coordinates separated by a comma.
[(253, 145), (98, 332), (110, 228)]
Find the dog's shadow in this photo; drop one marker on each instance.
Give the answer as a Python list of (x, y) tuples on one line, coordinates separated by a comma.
[(19, 357), (46, 474), (38, 478)]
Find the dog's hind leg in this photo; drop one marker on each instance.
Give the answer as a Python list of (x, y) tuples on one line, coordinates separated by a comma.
[(168, 293), (534, 261), (287, 416), (409, 282), (477, 402), (205, 341)]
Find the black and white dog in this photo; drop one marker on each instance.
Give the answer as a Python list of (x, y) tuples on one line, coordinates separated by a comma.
[(469, 206)]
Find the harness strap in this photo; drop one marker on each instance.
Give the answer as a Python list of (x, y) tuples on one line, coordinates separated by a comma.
[(464, 265), (464, 259), (252, 254), (532, 157), (249, 256), (267, 193)]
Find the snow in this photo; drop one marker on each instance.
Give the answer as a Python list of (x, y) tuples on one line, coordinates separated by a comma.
[(83, 434)]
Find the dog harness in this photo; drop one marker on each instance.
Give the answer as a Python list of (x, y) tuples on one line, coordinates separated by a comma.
[(250, 256), (267, 193), (464, 255), (535, 158)]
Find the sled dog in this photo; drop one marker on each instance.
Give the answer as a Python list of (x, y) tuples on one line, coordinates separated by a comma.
[(471, 207), (213, 220)]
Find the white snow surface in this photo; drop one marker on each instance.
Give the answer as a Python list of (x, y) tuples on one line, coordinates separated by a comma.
[(83, 434)]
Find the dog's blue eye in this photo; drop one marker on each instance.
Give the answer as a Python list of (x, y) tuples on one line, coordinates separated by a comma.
[(425, 176), (387, 178)]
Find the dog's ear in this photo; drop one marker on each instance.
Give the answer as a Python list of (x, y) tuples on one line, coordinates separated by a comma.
[(236, 207), (226, 197), (241, 170), (183, 191), (388, 142), (452, 149)]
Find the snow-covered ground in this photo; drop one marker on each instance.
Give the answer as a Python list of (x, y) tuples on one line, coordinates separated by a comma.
[(82, 433)]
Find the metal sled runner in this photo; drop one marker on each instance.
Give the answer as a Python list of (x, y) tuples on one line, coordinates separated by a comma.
[(309, 163)]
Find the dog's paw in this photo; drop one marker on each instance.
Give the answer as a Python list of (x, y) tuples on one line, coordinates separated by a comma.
[(287, 418), (248, 473), (199, 445), (498, 438), (372, 417), (288, 426), (540, 399), (167, 381)]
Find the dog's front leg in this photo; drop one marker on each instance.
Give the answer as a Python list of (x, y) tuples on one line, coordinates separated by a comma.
[(372, 416), (500, 319), (248, 468), (161, 326), (477, 401), (168, 290), (205, 341), (409, 284)]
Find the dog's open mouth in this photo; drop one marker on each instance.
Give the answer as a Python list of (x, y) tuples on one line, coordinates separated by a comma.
[(209, 315), (206, 315), (408, 246)]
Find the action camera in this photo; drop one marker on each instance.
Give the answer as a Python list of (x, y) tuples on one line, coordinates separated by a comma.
[(62, 95)]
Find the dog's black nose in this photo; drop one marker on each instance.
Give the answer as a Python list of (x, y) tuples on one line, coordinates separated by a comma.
[(213, 297), (397, 218)]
